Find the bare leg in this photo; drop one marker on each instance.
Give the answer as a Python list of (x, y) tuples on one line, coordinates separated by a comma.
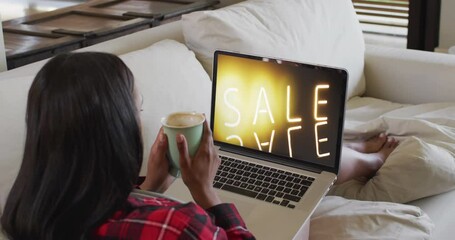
[(372, 145), (356, 164)]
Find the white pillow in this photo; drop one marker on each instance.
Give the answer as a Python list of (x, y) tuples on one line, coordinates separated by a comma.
[(416, 169), (170, 79), (13, 101), (323, 32), (14, 85), (338, 218)]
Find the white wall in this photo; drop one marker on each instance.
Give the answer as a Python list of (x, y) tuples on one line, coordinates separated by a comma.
[(2, 49), (447, 25)]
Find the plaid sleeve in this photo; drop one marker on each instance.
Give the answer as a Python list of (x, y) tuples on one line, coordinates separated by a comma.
[(204, 226), (227, 217), (157, 218)]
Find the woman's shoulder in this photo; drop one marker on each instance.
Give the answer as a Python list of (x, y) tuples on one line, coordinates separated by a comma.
[(150, 201), (152, 204), (144, 201)]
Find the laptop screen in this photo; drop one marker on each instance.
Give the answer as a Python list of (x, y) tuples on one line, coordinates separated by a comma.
[(290, 110)]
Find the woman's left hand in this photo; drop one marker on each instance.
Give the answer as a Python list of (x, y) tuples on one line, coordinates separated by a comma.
[(158, 178)]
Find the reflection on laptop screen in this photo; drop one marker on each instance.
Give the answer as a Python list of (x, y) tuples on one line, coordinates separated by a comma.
[(285, 108)]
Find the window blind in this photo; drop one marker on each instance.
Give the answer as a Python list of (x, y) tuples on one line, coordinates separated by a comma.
[(389, 17)]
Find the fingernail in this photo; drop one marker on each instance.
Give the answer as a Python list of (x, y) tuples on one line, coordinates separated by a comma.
[(179, 138), (162, 137)]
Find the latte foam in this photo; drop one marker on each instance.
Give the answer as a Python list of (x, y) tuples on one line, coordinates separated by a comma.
[(183, 119)]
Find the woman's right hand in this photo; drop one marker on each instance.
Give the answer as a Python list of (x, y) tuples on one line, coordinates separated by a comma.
[(199, 172)]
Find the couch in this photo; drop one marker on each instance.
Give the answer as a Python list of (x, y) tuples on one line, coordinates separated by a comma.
[(395, 90)]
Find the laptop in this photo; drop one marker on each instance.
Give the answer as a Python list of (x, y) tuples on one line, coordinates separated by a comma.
[(278, 126)]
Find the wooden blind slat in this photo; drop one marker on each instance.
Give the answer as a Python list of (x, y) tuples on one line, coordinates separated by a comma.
[(389, 4), (384, 15), (403, 11), (385, 24), (392, 13), (383, 1)]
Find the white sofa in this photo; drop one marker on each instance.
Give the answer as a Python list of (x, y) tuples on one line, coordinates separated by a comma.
[(395, 75)]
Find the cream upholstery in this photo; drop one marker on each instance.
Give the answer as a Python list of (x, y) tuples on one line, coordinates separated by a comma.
[(409, 76)]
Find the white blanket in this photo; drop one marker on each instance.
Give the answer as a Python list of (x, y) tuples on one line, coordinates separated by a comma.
[(432, 121), (422, 165), (424, 162), (339, 218)]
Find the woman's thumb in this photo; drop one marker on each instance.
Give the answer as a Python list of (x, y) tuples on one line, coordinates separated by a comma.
[(183, 150)]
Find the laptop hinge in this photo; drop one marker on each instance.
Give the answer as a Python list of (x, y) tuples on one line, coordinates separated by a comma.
[(275, 159)]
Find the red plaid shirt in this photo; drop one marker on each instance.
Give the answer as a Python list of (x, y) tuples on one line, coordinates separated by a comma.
[(161, 218)]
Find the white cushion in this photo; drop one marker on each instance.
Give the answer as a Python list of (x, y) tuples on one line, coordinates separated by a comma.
[(322, 32), (14, 86), (13, 101), (170, 79), (416, 169), (409, 76), (338, 218), (422, 165), (441, 210)]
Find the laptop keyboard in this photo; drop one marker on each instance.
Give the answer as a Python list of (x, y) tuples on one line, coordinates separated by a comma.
[(261, 182)]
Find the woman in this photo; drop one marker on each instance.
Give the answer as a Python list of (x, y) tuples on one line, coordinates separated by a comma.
[(82, 157)]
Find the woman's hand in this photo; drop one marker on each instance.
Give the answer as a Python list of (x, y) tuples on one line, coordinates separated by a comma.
[(199, 172), (158, 178)]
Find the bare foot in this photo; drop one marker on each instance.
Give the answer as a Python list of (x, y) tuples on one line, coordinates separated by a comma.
[(377, 159), (386, 149), (362, 166), (372, 145)]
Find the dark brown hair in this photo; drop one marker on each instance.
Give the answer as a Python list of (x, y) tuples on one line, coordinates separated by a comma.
[(83, 149)]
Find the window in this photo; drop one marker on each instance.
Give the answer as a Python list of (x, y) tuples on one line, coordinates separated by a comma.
[(384, 21), (383, 17), (404, 23)]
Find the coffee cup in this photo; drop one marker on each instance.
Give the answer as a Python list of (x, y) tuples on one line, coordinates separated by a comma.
[(190, 125)]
